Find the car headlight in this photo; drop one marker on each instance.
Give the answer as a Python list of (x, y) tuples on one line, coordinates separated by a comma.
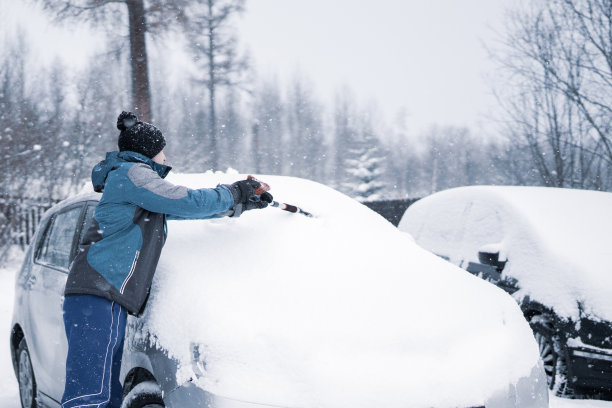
[(529, 391), (197, 359)]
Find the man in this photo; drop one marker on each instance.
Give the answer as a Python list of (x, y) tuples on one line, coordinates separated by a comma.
[(112, 273)]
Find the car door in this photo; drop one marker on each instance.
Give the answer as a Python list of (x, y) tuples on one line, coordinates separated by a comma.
[(56, 250)]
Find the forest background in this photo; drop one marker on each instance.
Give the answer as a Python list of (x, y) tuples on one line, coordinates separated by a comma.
[(553, 87)]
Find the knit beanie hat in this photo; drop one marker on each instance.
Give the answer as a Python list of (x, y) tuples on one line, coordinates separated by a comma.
[(139, 137)]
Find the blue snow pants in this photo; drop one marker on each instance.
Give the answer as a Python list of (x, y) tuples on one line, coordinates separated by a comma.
[(95, 328)]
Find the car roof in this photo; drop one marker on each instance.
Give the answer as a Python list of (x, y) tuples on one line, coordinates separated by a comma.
[(79, 198), (564, 217)]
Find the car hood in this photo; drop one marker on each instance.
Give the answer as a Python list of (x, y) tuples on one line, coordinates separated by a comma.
[(337, 310)]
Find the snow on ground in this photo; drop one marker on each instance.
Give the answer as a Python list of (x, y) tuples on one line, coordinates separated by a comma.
[(9, 396)]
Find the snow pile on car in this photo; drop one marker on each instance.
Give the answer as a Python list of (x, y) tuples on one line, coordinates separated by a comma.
[(333, 311), (557, 240)]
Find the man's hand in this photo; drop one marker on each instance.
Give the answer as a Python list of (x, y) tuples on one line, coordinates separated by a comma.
[(246, 197)]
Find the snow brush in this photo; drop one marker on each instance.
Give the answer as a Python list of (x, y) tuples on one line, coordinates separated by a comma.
[(290, 208), (283, 206)]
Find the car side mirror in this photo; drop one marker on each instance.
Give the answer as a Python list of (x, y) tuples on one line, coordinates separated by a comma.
[(489, 255)]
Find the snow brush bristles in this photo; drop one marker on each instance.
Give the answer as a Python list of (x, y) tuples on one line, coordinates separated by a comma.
[(283, 206)]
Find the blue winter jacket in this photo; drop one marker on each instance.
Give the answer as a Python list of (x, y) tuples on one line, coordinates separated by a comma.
[(120, 250)]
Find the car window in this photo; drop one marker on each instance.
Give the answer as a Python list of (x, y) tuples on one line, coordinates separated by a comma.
[(57, 244), (89, 213), (484, 226), (441, 229)]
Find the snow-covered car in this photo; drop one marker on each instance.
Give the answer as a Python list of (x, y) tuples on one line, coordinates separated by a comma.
[(275, 309), (550, 249)]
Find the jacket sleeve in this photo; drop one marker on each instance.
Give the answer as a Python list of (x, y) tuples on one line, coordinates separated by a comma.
[(149, 191)]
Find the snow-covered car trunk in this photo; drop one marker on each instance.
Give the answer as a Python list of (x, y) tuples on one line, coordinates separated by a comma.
[(335, 311)]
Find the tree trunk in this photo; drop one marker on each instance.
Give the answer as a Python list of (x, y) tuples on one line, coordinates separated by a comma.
[(141, 92), (434, 172), (212, 117), (256, 148)]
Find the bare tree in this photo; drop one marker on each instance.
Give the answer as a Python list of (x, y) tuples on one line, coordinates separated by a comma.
[(19, 120), (267, 129), (233, 134), (143, 16), (558, 55), (93, 120), (345, 131), (305, 148), (214, 45)]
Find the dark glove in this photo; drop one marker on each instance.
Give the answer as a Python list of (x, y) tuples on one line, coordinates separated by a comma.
[(246, 197)]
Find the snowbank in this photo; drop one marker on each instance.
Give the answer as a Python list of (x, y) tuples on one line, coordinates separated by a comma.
[(9, 395), (299, 311)]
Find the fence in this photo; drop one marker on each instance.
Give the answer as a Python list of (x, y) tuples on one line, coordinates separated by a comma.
[(392, 210), (19, 218)]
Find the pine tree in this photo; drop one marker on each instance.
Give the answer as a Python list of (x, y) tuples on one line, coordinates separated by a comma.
[(364, 165)]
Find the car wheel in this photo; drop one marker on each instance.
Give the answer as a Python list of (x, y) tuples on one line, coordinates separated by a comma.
[(146, 394), (25, 377), (553, 355)]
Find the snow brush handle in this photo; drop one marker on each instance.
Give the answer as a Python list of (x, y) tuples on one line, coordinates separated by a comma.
[(290, 208), (285, 207)]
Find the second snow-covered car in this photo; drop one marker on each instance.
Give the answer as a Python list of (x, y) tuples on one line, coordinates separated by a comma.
[(280, 310), (549, 248)]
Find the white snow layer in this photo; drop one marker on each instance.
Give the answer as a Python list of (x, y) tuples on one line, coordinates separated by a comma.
[(557, 241), (335, 311)]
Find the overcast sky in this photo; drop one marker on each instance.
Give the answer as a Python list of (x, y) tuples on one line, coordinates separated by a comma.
[(426, 56)]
